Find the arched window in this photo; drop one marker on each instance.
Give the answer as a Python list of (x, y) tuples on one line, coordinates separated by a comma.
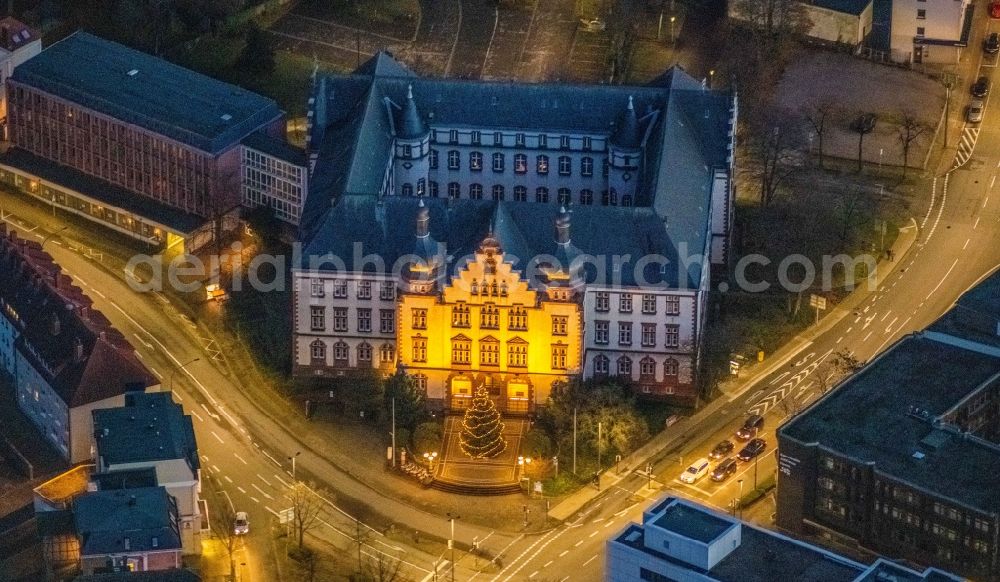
[(670, 367), (498, 162), (542, 165), (476, 161), (340, 353), (498, 192), (387, 354), (454, 159), (454, 190), (586, 197), (647, 368), (601, 365), (407, 189), (541, 194), (565, 166), (564, 196), (520, 163), (420, 382), (520, 194), (476, 191), (625, 366), (626, 200), (587, 166), (317, 350), (433, 188), (365, 354)]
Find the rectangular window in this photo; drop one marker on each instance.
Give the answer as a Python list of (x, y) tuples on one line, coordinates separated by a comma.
[(920, 31), (364, 320), (625, 333), (419, 318), (648, 335), (649, 303), (517, 355), (601, 332), (387, 291), (317, 318), (477, 138), (921, 14), (498, 162), (559, 357), (625, 303), (419, 349), (317, 288), (460, 350), (565, 166), (454, 160), (519, 140), (543, 141), (476, 161), (340, 289), (433, 159), (673, 305), (517, 319), (497, 138), (672, 336), (460, 316), (387, 321), (564, 142), (587, 167), (602, 301), (559, 324), (489, 353), (364, 289), (339, 319), (587, 143), (453, 136)]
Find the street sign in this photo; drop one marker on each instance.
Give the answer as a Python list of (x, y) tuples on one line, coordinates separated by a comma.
[(286, 515), (817, 301)]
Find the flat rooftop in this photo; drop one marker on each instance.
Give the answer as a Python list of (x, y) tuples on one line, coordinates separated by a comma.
[(147, 91), (691, 523), (882, 415)]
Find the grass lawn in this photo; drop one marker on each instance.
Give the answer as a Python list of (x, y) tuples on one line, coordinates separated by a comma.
[(396, 18)]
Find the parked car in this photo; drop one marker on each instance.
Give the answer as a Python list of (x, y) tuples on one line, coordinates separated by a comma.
[(974, 114), (981, 88), (592, 24), (241, 525), (992, 44), (753, 448), (724, 470), (697, 470), (721, 450), (753, 425)]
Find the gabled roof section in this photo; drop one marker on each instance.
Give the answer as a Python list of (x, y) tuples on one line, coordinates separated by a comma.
[(382, 64)]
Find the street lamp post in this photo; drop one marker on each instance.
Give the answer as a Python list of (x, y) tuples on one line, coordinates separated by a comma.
[(649, 476), (451, 543), (170, 384), (292, 459), (672, 37), (755, 459), (430, 457)]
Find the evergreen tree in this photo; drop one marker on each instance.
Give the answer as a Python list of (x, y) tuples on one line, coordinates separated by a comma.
[(482, 430)]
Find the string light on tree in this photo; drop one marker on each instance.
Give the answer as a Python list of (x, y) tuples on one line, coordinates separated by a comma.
[(482, 430)]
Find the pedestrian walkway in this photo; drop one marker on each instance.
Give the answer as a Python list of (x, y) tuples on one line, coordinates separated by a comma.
[(966, 145)]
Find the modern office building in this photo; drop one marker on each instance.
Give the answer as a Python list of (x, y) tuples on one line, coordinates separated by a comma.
[(901, 458), (130, 141), (63, 355), (511, 235)]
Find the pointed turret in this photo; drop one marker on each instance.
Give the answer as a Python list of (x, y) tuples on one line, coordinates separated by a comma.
[(627, 134), (410, 125), (565, 272), (421, 272)]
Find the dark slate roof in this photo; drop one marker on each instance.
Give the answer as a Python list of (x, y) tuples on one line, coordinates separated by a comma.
[(692, 523), (525, 231), (126, 479), (177, 221), (383, 64), (684, 127), (409, 124), (883, 415), (278, 148), (105, 518), (37, 290), (626, 134), (150, 427), (58, 522), (15, 34), (174, 575), (855, 7), (159, 96), (976, 314)]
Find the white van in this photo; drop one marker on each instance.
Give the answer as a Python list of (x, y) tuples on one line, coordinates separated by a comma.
[(696, 471)]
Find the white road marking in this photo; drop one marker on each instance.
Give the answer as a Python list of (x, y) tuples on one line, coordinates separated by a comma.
[(840, 339), (254, 499), (889, 328), (276, 514), (941, 282), (868, 336), (564, 552), (592, 558), (577, 543), (976, 224), (533, 574), (966, 245), (886, 315), (196, 415), (547, 564), (262, 492), (286, 484), (160, 376), (242, 490), (242, 460), (218, 438), (263, 479), (216, 468), (592, 535)]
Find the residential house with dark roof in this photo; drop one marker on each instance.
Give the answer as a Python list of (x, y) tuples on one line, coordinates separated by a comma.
[(683, 541), (432, 200), (130, 141), (151, 432), (64, 356), (901, 458)]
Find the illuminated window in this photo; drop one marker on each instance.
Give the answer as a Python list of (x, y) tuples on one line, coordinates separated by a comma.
[(520, 164), (461, 348), (559, 357), (559, 324), (419, 318), (419, 349), (317, 350), (476, 161), (542, 165), (317, 318), (460, 315), (517, 353), (517, 319), (387, 354), (489, 352), (673, 334)]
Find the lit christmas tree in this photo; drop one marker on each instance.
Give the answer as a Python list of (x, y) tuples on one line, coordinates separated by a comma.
[(482, 430)]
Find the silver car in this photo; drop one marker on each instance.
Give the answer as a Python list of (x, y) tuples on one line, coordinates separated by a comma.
[(975, 112), (241, 525)]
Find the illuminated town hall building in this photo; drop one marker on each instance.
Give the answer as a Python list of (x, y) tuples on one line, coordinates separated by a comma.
[(510, 236)]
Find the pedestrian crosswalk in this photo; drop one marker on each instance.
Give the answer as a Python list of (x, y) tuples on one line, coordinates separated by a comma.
[(966, 145)]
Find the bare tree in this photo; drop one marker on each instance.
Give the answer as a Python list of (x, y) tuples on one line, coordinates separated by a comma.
[(774, 137), (820, 115), (863, 124), (849, 205), (384, 568), (776, 23), (846, 363), (306, 505), (910, 129), (222, 527), (624, 18)]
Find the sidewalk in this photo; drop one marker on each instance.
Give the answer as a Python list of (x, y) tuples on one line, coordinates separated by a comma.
[(734, 389)]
